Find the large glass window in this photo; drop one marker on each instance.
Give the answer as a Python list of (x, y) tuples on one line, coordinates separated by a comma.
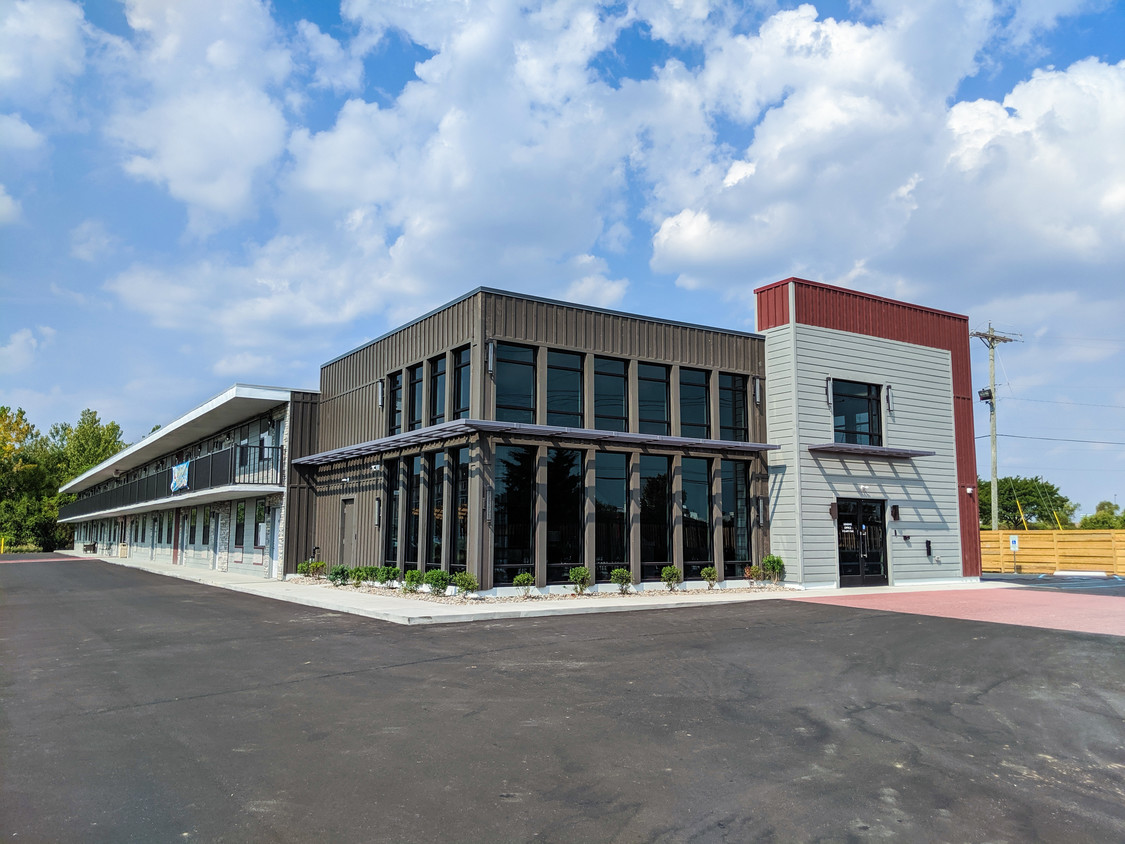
[(732, 407), (239, 525), (513, 512), (394, 403), (437, 508), (460, 556), (565, 535), (515, 383), (611, 508), (413, 511), (462, 383), (856, 413), (206, 527), (610, 391), (390, 544), (437, 390), (736, 517), (564, 389), (656, 522), (652, 399), (695, 404), (414, 419), (695, 480)]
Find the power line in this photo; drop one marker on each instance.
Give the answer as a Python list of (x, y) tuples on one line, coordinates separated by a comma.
[(1051, 439), (1074, 403)]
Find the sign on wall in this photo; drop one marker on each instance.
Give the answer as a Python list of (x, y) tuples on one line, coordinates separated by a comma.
[(179, 476)]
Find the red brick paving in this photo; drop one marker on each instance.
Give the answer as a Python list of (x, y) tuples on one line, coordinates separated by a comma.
[(1081, 613)]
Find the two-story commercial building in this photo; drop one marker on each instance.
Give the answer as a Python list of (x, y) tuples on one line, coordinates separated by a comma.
[(211, 489), (503, 434)]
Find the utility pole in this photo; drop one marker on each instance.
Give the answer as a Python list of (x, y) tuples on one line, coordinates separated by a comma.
[(991, 339)]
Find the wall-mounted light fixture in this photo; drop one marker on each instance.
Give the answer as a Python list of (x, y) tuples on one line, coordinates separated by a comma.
[(970, 490), (894, 512), (890, 399), (757, 390), (345, 480), (378, 511), (380, 391), (491, 355), (488, 506), (828, 390)]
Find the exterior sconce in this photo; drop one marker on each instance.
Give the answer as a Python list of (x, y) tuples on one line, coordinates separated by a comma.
[(380, 391), (833, 510), (757, 389), (491, 355), (970, 490), (828, 391), (894, 512), (345, 480), (890, 399), (488, 506), (378, 511)]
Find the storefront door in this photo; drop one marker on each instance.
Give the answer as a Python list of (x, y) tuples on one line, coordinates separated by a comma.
[(861, 534)]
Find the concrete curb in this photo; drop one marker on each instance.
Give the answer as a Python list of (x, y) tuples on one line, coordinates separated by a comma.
[(407, 611)]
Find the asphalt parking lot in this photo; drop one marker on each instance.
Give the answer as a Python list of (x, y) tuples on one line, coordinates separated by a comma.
[(140, 708)]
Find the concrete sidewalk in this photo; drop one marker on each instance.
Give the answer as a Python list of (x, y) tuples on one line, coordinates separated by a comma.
[(399, 610)]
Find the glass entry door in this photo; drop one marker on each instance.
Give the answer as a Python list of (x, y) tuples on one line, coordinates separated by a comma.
[(861, 536)]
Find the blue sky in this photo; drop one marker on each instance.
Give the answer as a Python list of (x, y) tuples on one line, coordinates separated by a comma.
[(243, 192)]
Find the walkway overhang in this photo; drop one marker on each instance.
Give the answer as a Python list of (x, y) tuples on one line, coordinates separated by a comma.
[(188, 499), (556, 433), (856, 450), (230, 407)]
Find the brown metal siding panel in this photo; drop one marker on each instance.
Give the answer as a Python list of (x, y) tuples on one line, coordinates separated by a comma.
[(772, 306), (300, 508)]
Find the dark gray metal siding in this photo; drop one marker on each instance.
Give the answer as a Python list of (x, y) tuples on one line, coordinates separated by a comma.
[(300, 513)]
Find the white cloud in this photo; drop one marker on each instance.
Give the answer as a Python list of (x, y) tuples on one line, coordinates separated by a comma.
[(90, 240), (9, 208), (41, 49), (333, 66), (17, 135), (18, 354), (206, 124)]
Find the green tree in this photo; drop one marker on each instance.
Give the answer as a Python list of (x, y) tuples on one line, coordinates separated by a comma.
[(1041, 502), (1104, 517), (33, 467)]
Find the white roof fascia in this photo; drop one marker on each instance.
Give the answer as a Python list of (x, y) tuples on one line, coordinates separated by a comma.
[(173, 435)]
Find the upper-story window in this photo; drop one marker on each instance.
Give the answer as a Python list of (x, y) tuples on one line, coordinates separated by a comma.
[(437, 390), (695, 404), (856, 413), (462, 383), (414, 418), (515, 383), (732, 407), (652, 399), (564, 389), (394, 403), (611, 409)]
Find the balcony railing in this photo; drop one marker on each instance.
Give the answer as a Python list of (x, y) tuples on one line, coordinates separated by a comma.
[(242, 464)]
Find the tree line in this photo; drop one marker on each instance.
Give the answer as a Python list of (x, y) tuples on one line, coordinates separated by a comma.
[(1043, 506), (33, 466)]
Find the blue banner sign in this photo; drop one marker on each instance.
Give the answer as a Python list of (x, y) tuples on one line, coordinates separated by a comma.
[(179, 476)]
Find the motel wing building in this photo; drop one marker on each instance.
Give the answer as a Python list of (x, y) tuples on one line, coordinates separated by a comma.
[(503, 434)]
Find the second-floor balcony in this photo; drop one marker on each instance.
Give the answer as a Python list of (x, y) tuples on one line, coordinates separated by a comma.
[(241, 464)]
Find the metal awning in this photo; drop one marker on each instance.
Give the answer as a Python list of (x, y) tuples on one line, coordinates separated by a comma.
[(857, 450), (468, 427)]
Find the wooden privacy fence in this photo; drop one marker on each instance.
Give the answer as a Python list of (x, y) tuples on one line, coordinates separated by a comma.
[(1048, 551)]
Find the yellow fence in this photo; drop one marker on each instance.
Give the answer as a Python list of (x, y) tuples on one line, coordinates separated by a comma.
[(1047, 551)]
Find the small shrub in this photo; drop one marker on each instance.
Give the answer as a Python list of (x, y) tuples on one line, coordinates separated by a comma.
[(623, 578), (773, 567), (303, 568), (385, 574), (316, 569), (671, 577), (437, 580), (524, 580), (362, 574), (412, 580), (709, 574), (465, 582), (754, 573), (580, 577), (338, 575)]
